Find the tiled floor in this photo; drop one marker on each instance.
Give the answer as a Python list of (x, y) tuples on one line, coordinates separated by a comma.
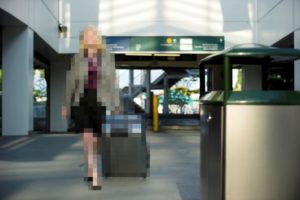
[(51, 167)]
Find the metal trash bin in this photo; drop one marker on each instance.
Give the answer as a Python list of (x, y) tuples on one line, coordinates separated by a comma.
[(124, 147), (250, 139)]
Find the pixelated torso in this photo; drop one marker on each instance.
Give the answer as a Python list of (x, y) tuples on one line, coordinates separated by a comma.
[(92, 75)]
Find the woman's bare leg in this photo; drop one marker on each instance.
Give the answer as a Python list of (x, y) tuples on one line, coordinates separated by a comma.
[(96, 177), (87, 137), (90, 145)]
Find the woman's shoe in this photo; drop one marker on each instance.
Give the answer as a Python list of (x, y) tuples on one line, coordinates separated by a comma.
[(88, 179), (96, 187)]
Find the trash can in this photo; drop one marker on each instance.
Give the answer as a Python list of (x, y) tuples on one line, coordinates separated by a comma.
[(124, 148), (250, 139)]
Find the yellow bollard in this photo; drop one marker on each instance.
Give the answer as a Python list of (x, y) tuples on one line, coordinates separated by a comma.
[(155, 113)]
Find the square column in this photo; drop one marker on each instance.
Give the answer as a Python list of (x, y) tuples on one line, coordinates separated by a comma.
[(17, 97), (148, 90), (166, 96), (297, 63), (57, 94)]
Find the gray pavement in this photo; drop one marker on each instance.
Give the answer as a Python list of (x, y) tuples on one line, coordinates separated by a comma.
[(51, 167)]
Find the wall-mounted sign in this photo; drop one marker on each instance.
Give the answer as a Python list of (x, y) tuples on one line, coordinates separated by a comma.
[(166, 44), (118, 44)]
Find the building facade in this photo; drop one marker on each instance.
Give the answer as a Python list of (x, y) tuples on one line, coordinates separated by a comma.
[(30, 35)]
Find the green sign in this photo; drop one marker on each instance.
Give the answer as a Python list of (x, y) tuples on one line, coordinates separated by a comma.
[(166, 44)]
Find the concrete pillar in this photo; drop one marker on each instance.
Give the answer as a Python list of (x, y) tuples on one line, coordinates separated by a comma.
[(130, 104), (148, 90), (166, 96), (17, 65), (57, 94), (131, 82), (297, 63)]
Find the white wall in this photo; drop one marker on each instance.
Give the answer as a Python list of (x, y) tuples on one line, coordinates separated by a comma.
[(297, 63), (277, 19), (76, 14), (40, 15), (45, 20), (265, 6), (18, 8), (296, 14), (232, 18)]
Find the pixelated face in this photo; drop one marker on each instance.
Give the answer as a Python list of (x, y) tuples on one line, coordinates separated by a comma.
[(90, 37), (91, 43)]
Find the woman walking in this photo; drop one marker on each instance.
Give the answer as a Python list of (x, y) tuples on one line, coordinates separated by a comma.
[(91, 93)]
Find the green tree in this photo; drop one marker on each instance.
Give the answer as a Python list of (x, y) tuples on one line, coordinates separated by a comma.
[(238, 84), (39, 85), (178, 96)]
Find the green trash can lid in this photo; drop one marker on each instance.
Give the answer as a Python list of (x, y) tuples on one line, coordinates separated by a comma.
[(253, 53)]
